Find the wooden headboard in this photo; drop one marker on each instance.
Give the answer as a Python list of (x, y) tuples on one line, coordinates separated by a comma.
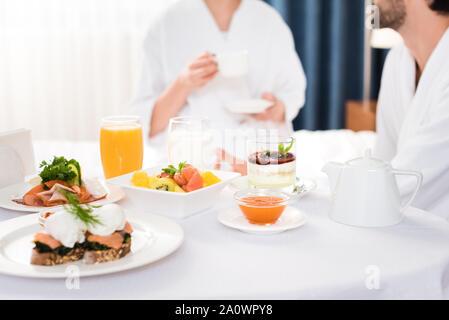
[(361, 115)]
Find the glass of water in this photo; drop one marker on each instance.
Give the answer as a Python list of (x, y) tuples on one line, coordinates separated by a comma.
[(190, 140)]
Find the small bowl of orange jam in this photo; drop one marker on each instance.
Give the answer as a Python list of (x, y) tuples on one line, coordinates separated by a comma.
[(262, 206)]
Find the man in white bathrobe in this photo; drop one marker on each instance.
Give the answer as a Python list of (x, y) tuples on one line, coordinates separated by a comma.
[(413, 110)]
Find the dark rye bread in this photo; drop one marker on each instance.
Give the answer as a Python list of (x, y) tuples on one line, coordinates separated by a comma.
[(53, 258), (78, 253), (98, 256)]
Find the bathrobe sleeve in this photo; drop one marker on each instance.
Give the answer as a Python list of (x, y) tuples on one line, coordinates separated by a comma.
[(290, 80), (152, 81), (427, 151)]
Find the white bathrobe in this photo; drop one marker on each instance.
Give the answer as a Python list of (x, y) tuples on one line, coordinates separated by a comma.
[(413, 125), (188, 29)]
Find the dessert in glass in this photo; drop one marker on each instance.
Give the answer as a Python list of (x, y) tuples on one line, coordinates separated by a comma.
[(271, 163)]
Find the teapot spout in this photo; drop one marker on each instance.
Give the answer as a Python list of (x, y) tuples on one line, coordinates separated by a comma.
[(333, 170)]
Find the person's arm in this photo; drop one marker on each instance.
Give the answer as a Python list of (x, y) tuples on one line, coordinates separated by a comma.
[(236, 164), (167, 106), (196, 75)]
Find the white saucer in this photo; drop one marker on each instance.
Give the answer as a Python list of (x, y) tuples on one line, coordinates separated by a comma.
[(291, 218), (252, 106)]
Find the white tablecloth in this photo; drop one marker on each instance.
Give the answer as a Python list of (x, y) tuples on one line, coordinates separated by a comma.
[(322, 259)]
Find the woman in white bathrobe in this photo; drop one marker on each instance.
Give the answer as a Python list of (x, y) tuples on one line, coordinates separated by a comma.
[(180, 77)]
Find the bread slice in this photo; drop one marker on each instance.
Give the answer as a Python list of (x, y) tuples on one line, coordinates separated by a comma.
[(98, 256), (53, 258)]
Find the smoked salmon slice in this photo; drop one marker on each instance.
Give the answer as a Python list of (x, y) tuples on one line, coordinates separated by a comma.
[(128, 228), (30, 198), (48, 195), (47, 239), (84, 194), (51, 183), (53, 197), (114, 241)]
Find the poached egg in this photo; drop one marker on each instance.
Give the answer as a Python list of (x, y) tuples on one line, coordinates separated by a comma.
[(69, 229)]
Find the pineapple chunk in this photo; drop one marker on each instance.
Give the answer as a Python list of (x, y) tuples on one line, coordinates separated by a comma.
[(209, 178), (178, 189), (152, 181), (142, 179)]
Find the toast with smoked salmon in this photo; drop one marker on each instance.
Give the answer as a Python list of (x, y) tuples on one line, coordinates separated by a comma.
[(89, 252), (49, 252), (69, 235), (108, 248)]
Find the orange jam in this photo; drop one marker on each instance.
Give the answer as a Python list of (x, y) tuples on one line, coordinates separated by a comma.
[(262, 210)]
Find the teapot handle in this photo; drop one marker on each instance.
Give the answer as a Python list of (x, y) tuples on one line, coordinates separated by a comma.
[(419, 178)]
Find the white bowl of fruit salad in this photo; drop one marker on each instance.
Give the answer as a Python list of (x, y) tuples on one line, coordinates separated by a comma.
[(174, 191)]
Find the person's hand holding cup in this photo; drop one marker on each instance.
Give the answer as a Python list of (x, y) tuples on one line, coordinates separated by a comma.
[(199, 72)]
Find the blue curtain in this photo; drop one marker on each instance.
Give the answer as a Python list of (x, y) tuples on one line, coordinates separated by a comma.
[(329, 38)]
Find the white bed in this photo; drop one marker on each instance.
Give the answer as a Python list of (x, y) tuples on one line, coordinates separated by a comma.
[(315, 148)]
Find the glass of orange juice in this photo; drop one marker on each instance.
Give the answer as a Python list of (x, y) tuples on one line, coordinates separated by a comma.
[(121, 145)]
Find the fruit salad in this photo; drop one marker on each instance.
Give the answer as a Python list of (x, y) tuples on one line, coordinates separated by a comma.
[(181, 179)]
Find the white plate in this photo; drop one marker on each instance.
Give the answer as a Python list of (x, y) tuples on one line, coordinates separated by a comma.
[(172, 204), (302, 187), (16, 191), (291, 218), (248, 106), (154, 238)]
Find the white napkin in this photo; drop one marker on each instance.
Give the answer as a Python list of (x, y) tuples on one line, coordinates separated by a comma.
[(16, 156)]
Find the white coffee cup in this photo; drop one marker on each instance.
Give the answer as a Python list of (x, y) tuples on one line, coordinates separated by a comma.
[(233, 64)]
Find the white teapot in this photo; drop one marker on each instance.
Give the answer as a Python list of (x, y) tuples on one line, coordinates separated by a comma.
[(365, 192)]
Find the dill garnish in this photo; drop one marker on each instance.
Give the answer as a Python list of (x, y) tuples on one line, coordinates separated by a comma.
[(82, 212)]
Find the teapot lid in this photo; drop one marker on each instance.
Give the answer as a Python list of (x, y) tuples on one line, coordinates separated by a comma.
[(367, 161)]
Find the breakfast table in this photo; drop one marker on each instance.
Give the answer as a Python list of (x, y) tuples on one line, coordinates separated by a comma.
[(320, 260)]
